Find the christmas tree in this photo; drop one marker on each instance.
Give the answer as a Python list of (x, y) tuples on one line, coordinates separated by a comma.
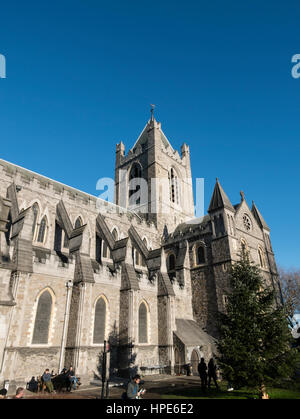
[(255, 340)]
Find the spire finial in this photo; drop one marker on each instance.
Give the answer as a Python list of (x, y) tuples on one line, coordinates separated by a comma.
[(242, 195), (152, 110)]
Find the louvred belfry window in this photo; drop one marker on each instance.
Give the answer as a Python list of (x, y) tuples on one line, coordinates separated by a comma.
[(174, 186), (135, 173)]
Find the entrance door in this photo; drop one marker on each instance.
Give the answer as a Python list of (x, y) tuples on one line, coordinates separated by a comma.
[(195, 362)]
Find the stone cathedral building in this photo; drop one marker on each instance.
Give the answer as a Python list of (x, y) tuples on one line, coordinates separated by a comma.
[(144, 274)]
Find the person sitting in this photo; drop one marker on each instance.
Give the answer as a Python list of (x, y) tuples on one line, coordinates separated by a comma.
[(72, 377), (40, 383), (47, 380), (33, 385), (133, 389)]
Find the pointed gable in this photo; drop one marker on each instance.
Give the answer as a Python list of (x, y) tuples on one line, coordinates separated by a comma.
[(219, 199), (259, 217)]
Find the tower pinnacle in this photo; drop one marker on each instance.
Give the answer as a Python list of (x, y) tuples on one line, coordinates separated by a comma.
[(152, 110)]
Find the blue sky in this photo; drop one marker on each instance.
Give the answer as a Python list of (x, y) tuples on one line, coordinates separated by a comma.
[(82, 73)]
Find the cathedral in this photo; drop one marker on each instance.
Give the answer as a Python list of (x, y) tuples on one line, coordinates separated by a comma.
[(142, 273)]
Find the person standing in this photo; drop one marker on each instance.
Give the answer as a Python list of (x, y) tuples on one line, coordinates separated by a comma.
[(212, 373), (202, 370)]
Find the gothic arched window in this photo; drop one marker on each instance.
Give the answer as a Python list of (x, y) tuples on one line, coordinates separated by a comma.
[(261, 258), (174, 186), (42, 319), (100, 321), (171, 263), (229, 224), (78, 222), (42, 230), (99, 242), (137, 257), (143, 323), (135, 173), (220, 225), (104, 249), (57, 237), (200, 254), (244, 246), (115, 234)]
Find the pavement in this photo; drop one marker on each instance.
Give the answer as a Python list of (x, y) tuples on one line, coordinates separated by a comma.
[(156, 385)]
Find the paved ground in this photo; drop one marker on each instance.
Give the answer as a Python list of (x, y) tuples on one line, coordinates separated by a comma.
[(155, 385)]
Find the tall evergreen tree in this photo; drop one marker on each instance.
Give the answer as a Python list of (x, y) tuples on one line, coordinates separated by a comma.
[(254, 342)]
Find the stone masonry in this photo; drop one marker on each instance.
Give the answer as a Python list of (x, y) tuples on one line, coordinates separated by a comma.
[(162, 274)]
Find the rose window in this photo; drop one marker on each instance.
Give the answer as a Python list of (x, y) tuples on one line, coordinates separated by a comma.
[(247, 222)]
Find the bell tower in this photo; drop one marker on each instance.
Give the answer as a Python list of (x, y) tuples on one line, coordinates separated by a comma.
[(154, 180)]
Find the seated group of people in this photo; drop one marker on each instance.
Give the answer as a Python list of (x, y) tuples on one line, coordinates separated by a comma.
[(46, 380)]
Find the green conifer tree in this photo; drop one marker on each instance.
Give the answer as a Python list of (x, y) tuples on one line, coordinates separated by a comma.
[(255, 341)]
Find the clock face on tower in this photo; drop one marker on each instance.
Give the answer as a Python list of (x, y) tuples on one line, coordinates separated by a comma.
[(247, 222)]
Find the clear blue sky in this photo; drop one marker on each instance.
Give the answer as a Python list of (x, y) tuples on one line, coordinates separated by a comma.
[(82, 73)]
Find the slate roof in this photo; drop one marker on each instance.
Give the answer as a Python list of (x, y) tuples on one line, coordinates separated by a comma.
[(191, 334), (259, 217), (196, 222), (165, 287), (219, 199), (131, 277)]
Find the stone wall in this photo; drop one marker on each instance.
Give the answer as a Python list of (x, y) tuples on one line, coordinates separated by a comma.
[(31, 267)]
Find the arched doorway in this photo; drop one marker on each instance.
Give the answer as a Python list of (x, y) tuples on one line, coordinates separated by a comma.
[(195, 362)]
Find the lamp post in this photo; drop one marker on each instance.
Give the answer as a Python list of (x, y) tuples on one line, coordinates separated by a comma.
[(105, 371), (69, 285)]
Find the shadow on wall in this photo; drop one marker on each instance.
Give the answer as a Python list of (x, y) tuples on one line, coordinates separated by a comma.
[(122, 357)]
